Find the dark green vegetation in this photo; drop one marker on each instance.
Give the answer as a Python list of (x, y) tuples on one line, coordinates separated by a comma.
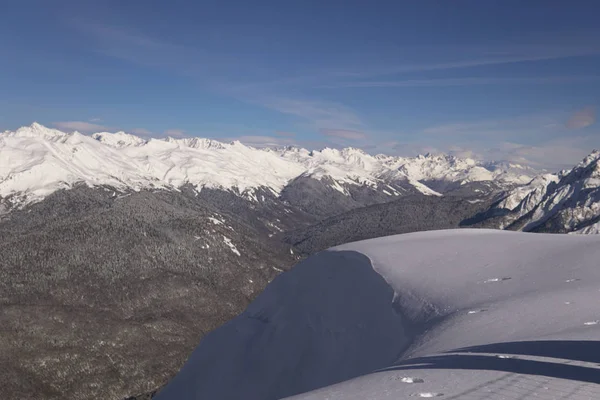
[(411, 214)]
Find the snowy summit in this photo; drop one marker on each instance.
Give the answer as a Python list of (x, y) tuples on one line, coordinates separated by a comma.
[(37, 161)]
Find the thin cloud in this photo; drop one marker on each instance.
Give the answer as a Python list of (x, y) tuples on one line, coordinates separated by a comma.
[(141, 132), (326, 78), (285, 134), (320, 113), (540, 141), (541, 125), (344, 134), (465, 82), (513, 55), (138, 48), (80, 126), (553, 155), (367, 147), (264, 141), (582, 118), (95, 119)]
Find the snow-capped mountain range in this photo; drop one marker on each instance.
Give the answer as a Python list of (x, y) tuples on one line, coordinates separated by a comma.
[(36, 161)]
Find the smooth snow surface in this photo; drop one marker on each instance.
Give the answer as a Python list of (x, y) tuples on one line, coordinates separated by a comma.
[(297, 334), (36, 161), (462, 314)]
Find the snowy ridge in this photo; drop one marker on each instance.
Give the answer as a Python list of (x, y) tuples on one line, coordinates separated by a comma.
[(37, 161), (521, 200), (567, 202), (459, 311), (118, 139), (527, 196)]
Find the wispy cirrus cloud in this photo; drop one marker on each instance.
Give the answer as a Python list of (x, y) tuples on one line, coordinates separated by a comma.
[(132, 46), (582, 118), (80, 126), (140, 48), (141, 132), (343, 134), (474, 57), (285, 134), (537, 125), (321, 114), (473, 81)]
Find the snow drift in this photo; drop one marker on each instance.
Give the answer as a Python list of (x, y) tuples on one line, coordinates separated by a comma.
[(416, 307), (327, 320)]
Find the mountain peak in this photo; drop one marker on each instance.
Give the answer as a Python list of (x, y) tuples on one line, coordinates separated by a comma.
[(202, 143), (170, 162), (593, 157), (37, 130), (118, 139)]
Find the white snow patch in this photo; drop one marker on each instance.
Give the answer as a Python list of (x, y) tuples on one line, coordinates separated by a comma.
[(215, 221), (231, 245), (408, 379), (476, 311), (495, 280)]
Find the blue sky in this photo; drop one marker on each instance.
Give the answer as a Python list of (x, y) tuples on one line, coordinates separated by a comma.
[(505, 80)]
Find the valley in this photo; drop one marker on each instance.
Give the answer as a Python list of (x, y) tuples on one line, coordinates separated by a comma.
[(119, 254)]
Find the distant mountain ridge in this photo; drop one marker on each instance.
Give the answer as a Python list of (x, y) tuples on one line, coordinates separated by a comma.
[(566, 202), (40, 160)]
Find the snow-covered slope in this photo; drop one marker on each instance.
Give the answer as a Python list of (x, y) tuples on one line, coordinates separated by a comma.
[(355, 164), (574, 201), (523, 302), (520, 200), (566, 202), (36, 161)]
